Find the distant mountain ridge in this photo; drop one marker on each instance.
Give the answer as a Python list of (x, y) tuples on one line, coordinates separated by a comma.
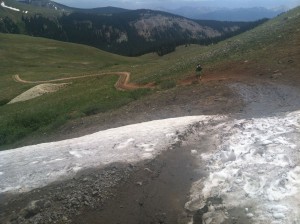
[(238, 14), (57, 6), (46, 4), (198, 13), (120, 31)]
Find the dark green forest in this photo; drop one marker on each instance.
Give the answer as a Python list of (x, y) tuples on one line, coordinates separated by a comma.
[(105, 32)]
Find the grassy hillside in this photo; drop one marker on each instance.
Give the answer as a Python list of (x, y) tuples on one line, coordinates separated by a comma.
[(43, 59), (264, 45)]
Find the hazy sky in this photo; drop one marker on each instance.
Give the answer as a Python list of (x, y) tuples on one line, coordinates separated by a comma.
[(171, 4)]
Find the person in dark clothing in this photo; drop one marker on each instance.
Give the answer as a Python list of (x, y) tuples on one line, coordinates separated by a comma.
[(198, 71), (198, 68)]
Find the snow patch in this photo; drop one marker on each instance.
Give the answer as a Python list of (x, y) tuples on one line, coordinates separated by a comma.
[(38, 91), (8, 7), (254, 167), (52, 161), (126, 144), (170, 135), (1, 173), (76, 154), (256, 164), (76, 168), (194, 152), (147, 156), (147, 147), (36, 166)]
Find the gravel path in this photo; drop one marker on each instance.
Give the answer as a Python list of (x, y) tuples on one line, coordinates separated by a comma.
[(123, 82)]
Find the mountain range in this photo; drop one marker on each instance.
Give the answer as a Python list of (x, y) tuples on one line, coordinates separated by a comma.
[(121, 31), (226, 14)]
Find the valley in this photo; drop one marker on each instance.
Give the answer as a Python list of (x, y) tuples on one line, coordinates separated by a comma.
[(123, 32), (163, 147)]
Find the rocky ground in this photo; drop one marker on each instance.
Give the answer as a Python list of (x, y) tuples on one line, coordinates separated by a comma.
[(150, 191)]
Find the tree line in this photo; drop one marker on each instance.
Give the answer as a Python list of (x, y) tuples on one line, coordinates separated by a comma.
[(115, 33)]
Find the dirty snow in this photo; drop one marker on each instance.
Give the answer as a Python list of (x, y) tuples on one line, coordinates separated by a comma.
[(35, 166), (8, 7), (255, 165)]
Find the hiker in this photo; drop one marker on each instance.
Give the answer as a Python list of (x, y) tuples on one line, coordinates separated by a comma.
[(198, 68), (198, 71)]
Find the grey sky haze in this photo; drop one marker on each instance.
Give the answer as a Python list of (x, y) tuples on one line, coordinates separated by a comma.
[(172, 4)]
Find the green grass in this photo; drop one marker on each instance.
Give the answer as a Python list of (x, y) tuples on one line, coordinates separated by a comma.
[(44, 59), (262, 45), (82, 98)]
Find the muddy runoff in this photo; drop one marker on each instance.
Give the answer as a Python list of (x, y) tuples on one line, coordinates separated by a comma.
[(152, 191)]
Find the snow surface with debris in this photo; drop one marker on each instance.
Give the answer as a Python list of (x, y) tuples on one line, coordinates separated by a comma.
[(30, 167), (254, 164), (256, 167), (8, 7)]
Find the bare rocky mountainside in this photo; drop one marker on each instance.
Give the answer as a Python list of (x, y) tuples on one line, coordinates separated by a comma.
[(125, 32)]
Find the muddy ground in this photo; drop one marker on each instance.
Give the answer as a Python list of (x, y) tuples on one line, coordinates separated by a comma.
[(153, 191)]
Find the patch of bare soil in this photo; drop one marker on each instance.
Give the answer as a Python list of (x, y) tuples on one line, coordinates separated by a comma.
[(37, 91)]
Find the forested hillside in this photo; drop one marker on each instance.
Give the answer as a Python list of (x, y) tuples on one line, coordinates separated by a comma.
[(125, 32)]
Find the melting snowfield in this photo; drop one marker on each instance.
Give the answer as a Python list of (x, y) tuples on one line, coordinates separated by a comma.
[(35, 166), (254, 167), (12, 8), (8, 7)]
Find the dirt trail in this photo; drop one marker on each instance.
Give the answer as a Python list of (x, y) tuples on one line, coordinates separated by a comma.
[(123, 82)]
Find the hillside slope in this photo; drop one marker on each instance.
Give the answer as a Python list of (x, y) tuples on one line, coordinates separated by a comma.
[(126, 32), (241, 164), (256, 54), (63, 8)]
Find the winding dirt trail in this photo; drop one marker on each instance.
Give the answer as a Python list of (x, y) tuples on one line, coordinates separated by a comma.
[(123, 82)]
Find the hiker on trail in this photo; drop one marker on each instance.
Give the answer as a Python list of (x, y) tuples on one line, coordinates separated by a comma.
[(198, 68), (198, 71)]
